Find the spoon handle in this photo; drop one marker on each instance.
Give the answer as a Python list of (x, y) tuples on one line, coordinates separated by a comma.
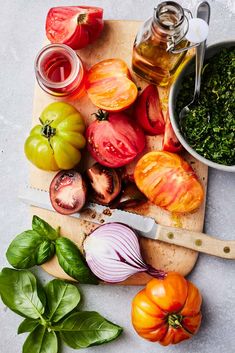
[(203, 12)]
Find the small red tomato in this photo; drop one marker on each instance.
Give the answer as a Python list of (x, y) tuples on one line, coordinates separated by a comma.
[(109, 85), (170, 141), (148, 111), (76, 26), (114, 139)]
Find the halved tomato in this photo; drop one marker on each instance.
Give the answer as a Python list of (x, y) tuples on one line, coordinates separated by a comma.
[(109, 85), (148, 111), (168, 181), (114, 139), (76, 26), (170, 141)]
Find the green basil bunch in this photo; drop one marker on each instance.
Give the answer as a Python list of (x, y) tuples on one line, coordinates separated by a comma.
[(36, 246), (51, 313)]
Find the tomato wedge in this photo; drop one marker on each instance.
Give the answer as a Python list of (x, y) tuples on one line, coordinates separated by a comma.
[(76, 26), (109, 86), (170, 141), (168, 181), (148, 111), (114, 139)]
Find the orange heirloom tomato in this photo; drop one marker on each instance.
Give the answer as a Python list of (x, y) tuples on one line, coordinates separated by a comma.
[(168, 181), (167, 310), (109, 85)]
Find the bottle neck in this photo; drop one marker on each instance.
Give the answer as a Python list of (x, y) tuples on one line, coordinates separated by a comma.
[(168, 21)]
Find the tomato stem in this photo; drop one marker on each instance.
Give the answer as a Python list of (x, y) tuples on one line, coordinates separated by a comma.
[(81, 18), (101, 115), (47, 130), (174, 320)]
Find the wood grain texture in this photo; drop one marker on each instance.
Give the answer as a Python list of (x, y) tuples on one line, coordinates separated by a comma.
[(117, 41)]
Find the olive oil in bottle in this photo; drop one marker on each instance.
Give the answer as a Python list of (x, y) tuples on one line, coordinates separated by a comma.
[(157, 51)]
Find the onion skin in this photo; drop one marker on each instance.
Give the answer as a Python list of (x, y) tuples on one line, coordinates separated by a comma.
[(113, 254)]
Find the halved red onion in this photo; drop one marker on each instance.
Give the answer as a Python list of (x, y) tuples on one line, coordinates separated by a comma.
[(113, 254)]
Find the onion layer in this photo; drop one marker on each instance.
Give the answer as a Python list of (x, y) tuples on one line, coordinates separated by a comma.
[(113, 253)]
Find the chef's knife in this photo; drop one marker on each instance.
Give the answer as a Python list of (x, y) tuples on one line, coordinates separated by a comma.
[(145, 226)]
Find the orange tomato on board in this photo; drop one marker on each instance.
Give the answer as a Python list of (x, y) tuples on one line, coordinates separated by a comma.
[(168, 181), (109, 86), (167, 310)]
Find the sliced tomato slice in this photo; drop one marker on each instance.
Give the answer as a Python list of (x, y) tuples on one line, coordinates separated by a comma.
[(148, 111), (170, 141)]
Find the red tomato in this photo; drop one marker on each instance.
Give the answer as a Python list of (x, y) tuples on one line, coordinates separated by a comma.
[(114, 139), (170, 141), (168, 181), (109, 86), (148, 111), (76, 26)]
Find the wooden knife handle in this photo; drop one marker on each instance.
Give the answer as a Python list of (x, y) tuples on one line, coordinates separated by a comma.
[(197, 241)]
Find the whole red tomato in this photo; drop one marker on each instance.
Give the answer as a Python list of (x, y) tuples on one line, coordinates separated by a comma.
[(167, 310), (148, 111), (114, 139), (109, 85), (170, 141), (76, 26), (168, 181)]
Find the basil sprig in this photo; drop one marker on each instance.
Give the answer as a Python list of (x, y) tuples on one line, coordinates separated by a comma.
[(51, 312), (32, 247), (37, 246)]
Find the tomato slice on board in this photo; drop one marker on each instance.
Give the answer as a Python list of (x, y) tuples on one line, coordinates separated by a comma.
[(109, 86), (148, 111), (168, 181), (170, 141), (114, 139), (76, 26)]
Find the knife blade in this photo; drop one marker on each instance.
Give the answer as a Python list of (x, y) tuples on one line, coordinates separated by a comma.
[(145, 226)]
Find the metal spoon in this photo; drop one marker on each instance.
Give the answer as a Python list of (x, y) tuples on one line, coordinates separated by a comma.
[(203, 12)]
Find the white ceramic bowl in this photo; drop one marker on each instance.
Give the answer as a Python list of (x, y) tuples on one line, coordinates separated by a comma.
[(189, 68)]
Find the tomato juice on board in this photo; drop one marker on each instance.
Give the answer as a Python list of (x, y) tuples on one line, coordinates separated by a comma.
[(59, 71)]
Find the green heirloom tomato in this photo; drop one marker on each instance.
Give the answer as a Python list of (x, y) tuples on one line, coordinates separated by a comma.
[(56, 143)]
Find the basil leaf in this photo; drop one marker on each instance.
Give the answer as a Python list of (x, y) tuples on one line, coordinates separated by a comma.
[(45, 252), (88, 328), (62, 298), (72, 261), (27, 325), (23, 251), (43, 228), (19, 291), (41, 341)]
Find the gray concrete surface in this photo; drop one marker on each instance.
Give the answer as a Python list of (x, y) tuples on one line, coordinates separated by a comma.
[(21, 36)]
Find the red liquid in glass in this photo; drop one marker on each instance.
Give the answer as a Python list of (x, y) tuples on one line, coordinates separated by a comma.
[(57, 67)]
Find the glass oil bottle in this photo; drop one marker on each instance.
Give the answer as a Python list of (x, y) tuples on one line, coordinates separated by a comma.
[(160, 45)]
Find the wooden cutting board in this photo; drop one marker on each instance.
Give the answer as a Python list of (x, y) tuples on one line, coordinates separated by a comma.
[(117, 41)]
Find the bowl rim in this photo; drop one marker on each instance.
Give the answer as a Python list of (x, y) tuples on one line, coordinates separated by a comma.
[(174, 120)]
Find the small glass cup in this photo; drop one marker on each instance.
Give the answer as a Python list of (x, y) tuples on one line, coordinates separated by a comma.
[(59, 71)]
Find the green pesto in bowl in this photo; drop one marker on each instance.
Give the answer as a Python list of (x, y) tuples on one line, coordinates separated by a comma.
[(209, 127)]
